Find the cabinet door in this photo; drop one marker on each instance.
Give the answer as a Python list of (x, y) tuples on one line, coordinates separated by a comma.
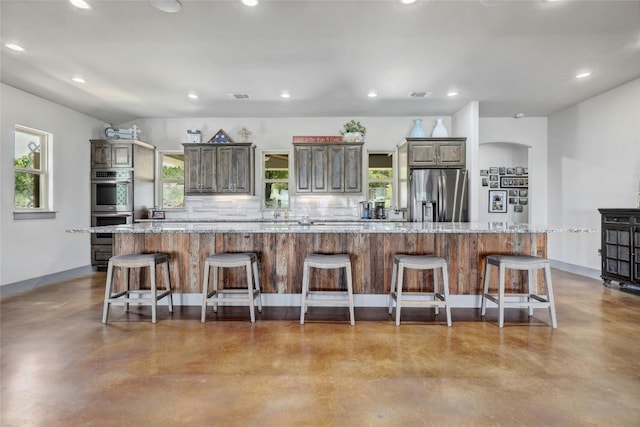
[(353, 169), (122, 155), (616, 259), (224, 169), (100, 155), (422, 153), (242, 170), (191, 170), (451, 154), (303, 169), (319, 169), (199, 170), (336, 169), (207, 167)]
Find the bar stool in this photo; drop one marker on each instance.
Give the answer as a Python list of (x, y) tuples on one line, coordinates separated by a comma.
[(326, 298), (137, 261), (419, 262), (530, 299), (247, 295)]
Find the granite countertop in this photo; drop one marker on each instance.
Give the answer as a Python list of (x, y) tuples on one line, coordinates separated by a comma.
[(328, 227)]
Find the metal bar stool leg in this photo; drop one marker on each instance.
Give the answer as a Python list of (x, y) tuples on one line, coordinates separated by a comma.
[(399, 292), (252, 311), (445, 285), (394, 273), (352, 317), (154, 291), (552, 305), (305, 289), (107, 292)]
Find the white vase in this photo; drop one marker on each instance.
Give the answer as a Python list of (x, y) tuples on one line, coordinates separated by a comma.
[(417, 131), (439, 130)]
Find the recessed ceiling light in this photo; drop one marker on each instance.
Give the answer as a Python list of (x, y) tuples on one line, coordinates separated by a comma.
[(192, 96), (15, 47), (78, 79), (80, 4), (169, 6), (250, 3), (583, 75), (518, 115), (285, 95), (372, 94), (452, 93), (408, 1)]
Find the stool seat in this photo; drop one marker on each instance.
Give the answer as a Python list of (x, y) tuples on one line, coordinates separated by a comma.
[(247, 295), (231, 259), (434, 299), (137, 260), (326, 298), (515, 261), (126, 262), (531, 299)]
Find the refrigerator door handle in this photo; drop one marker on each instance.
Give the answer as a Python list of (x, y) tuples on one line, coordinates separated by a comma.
[(440, 199)]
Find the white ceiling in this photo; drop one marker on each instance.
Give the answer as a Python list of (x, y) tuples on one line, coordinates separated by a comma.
[(518, 56)]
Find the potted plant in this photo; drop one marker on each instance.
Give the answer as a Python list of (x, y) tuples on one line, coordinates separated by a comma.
[(353, 132)]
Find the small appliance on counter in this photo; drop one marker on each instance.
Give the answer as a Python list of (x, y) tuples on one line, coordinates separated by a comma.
[(365, 210), (379, 212)]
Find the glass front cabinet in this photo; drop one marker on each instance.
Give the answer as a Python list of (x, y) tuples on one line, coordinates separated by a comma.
[(620, 246)]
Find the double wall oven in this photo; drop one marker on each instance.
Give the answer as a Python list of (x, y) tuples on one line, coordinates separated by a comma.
[(111, 204)]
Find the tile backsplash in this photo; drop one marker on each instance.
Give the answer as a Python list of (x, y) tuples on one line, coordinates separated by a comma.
[(247, 208)]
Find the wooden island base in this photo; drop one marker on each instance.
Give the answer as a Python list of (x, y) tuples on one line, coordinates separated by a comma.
[(281, 256)]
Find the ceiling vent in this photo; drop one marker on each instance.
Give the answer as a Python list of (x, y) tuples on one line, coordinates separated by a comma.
[(240, 95), (421, 94)]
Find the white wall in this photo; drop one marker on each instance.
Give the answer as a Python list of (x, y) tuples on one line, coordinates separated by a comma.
[(465, 124), (527, 131), (594, 162), (383, 133), (509, 155), (35, 248)]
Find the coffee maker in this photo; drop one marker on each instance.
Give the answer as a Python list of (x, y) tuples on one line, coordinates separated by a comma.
[(379, 212)]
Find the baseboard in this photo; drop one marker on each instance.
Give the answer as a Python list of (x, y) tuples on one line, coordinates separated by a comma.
[(576, 269), (38, 282)]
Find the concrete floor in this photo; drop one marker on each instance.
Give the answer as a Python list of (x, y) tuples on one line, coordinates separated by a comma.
[(62, 367)]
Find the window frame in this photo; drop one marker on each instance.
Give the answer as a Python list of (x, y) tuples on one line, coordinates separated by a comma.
[(160, 181), (265, 181), (45, 172), (392, 180)]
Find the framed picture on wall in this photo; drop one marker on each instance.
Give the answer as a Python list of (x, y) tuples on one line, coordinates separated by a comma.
[(485, 182), (518, 208), (497, 201), (484, 172)]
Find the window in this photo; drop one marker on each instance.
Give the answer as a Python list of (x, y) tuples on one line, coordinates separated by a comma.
[(380, 178), (171, 182), (32, 170), (276, 180)]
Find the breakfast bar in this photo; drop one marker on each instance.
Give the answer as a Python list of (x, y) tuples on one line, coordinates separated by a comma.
[(282, 246)]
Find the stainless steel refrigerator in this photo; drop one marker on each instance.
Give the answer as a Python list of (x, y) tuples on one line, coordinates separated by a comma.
[(438, 195)]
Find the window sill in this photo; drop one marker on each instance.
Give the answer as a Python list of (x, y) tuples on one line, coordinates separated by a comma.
[(24, 215)]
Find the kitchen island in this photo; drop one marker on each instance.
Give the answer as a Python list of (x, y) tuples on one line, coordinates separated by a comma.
[(282, 246)]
